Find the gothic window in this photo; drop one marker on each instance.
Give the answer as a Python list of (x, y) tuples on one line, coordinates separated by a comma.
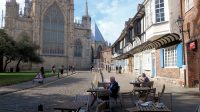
[(78, 48), (99, 52), (53, 31)]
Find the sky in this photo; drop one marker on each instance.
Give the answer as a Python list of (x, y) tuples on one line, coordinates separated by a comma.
[(109, 15)]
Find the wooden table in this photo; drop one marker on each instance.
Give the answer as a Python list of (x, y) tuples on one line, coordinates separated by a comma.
[(94, 93), (71, 106), (153, 108), (141, 88)]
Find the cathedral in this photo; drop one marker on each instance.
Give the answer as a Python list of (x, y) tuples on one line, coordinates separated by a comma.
[(50, 24)]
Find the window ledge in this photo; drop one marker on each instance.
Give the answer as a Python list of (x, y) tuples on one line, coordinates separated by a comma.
[(171, 67)]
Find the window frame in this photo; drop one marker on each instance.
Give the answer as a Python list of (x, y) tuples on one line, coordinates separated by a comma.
[(170, 57), (161, 10), (189, 4)]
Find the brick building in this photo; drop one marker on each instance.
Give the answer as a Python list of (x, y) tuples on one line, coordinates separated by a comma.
[(106, 56), (190, 11)]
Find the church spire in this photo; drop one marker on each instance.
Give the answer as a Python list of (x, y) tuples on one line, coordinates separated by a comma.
[(86, 8)]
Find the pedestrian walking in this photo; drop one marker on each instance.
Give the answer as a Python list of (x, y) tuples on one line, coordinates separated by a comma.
[(62, 70), (42, 72), (53, 69), (116, 69)]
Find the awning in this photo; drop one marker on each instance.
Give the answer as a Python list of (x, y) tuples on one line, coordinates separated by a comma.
[(164, 41)]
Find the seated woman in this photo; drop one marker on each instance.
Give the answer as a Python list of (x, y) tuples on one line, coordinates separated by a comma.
[(143, 78), (39, 78)]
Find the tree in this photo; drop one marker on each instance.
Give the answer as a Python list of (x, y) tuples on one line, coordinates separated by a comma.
[(5, 46), (26, 51), (9, 52)]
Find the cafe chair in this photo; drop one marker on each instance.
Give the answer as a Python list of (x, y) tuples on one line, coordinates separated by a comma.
[(113, 101), (160, 93), (83, 99), (150, 95), (102, 107), (198, 108), (166, 98)]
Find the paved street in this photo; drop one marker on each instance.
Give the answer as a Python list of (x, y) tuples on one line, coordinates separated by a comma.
[(49, 95), (62, 90)]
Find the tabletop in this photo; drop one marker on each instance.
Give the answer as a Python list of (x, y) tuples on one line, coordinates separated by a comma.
[(141, 88), (152, 108), (73, 106)]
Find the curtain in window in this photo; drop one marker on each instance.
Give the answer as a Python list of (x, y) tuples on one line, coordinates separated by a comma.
[(53, 31)]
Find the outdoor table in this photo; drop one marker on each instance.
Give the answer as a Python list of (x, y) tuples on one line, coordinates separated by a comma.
[(135, 83), (152, 108), (94, 93), (140, 90), (71, 106)]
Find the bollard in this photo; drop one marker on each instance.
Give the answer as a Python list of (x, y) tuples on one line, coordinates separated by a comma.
[(40, 108)]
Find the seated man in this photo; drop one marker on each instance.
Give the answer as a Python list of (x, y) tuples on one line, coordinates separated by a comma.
[(113, 88)]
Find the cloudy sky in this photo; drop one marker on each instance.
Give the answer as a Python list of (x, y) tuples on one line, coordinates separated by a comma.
[(109, 15)]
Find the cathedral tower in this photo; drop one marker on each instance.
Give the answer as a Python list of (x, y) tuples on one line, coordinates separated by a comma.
[(86, 19), (12, 9), (27, 8)]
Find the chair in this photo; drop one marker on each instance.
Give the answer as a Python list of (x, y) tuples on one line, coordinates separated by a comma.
[(198, 108), (150, 95), (160, 93), (84, 99), (166, 98), (148, 84), (102, 107), (118, 99), (128, 100)]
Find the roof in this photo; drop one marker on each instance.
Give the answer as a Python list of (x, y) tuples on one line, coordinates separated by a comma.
[(98, 36)]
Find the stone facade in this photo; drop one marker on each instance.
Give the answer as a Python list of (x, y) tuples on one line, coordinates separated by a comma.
[(32, 23)]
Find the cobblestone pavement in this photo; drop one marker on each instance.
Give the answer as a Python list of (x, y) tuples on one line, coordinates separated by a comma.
[(60, 91), (183, 99), (54, 93)]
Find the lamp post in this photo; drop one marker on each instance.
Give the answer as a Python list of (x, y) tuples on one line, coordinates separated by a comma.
[(179, 23)]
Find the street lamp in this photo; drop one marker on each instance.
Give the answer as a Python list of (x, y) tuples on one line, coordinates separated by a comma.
[(179, 23)]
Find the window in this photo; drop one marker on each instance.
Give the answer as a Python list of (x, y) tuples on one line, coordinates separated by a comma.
[(159, 9), (77, 48), (170, 56), (188, 5), (53, 32)]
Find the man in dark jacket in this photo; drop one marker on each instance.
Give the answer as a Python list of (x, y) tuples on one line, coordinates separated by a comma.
[(114, 88)]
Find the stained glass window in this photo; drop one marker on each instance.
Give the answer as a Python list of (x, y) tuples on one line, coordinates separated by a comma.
[(53, 31)]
